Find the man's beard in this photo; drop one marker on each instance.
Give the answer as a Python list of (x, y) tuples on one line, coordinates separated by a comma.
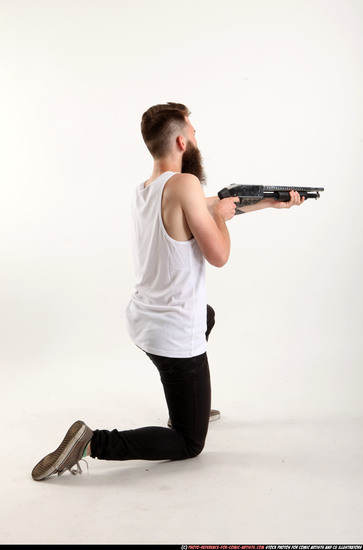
[(192, 163)]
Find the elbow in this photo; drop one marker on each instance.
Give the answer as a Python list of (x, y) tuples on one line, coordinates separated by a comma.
[(220, 263), (220, 260)]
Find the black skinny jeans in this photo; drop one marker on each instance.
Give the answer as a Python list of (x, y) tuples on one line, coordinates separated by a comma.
[(186, 383)]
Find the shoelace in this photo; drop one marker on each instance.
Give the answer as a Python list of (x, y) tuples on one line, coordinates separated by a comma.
[(75, 469)]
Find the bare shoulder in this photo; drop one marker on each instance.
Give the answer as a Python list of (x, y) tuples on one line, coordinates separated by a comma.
[(179, 192), (182, 180), (184, 187)]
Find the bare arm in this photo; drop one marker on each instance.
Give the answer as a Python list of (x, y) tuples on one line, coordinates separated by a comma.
[(210, 231), (295, 200)]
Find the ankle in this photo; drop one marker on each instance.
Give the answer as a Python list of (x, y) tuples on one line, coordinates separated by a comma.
[(87, 450)]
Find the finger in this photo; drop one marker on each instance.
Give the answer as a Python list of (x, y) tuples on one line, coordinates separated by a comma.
[(294, 198)]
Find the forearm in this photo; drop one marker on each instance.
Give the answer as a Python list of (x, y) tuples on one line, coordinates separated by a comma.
[(224, 237), (260, 205), (211, 201)]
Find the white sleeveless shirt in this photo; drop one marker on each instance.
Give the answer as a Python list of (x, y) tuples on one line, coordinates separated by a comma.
[(167, 311)]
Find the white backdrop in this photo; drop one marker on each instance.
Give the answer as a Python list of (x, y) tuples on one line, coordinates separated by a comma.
[(275, 89)]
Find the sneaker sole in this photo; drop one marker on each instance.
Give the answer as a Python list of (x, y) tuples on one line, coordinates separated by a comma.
[(53, 462)]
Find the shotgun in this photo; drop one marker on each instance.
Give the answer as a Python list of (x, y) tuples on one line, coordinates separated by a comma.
[(250, 194)]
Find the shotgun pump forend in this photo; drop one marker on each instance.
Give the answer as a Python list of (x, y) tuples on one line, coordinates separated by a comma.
[(251, 194)]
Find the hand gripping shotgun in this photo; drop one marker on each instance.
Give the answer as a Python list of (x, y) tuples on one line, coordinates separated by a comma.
[(250, 194)]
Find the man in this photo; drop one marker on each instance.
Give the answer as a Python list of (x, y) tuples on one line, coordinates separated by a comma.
[(175, 230)]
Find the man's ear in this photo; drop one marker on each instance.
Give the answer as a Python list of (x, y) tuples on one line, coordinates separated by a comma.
[(181, 142)]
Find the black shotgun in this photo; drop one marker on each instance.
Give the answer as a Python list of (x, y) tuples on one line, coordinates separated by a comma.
[(250, 194)]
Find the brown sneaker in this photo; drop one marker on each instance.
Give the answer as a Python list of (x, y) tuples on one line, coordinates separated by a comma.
[(68, 454), (214, 415)]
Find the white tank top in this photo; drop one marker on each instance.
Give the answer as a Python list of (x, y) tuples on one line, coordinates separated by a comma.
[(167, 311)]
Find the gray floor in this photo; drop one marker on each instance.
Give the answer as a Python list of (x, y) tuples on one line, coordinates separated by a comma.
[(271, 472), (275, 91)]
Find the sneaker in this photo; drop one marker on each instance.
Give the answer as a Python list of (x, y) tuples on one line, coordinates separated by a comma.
[(68, 454), (214, 415)]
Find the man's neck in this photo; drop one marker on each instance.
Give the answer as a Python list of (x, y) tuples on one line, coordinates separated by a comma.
[(166, 164)]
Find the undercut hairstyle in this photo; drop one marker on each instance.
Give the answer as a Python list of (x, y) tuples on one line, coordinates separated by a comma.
[(161, 124)]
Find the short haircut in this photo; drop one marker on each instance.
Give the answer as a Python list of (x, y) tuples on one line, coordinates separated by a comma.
[(160, 124)]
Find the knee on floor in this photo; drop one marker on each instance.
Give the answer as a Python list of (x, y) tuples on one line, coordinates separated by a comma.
[(194, 449)]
